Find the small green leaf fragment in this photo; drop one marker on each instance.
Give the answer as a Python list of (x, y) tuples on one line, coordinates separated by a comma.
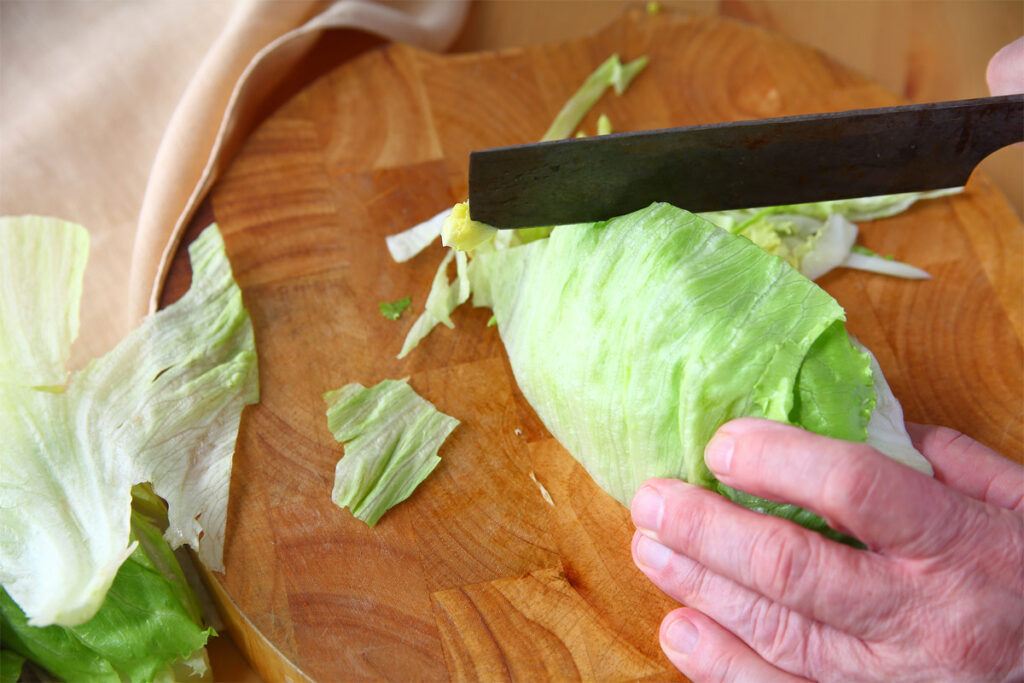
[(392, 309)]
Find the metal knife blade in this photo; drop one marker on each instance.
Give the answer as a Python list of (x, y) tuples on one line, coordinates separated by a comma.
[(742, 164)]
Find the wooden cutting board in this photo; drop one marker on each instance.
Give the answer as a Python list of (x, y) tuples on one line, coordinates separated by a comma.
[(476, 576)]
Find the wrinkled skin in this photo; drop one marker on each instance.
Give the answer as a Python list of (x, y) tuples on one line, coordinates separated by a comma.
[(937, 595)]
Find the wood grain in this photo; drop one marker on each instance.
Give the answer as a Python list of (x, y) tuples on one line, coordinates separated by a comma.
[(476, 576)]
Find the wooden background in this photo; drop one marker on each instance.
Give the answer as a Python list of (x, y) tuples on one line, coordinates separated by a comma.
[(478, 559)]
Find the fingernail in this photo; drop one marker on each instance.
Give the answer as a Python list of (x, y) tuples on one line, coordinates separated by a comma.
[(652, 554), (718, 453), (647, 509), (681, 636)]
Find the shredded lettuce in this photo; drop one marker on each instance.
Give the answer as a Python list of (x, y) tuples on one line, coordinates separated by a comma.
[(611, 73), (406, 244), (461, 233), (444, 297), (634, 339), (163, 407), (391, 437), (819, 236)]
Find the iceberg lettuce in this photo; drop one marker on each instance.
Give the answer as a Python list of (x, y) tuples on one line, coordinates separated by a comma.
[(634, 339)]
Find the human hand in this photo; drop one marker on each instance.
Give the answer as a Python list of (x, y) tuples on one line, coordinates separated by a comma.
[(938, 594)]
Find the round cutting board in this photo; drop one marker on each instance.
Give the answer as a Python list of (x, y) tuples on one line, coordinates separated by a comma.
[(477, 575)]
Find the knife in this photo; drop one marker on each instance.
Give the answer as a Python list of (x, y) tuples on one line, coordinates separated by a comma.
[(742, 164)]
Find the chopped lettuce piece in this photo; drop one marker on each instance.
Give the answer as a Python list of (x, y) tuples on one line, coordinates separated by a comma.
[(391, 437), (444, 297), (884, 265), (39, 315), (462, 233), (634, 339), (611, 73), (392, 309), (163, 406), (406, 244)]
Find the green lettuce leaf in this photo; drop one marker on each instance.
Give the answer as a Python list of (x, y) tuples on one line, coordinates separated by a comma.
[(163, 406), (148, 622), (634, 339), (391, 437), (10, 666)]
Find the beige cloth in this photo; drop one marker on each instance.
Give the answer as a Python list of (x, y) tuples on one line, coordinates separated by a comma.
[(249, 62), (120, 114)]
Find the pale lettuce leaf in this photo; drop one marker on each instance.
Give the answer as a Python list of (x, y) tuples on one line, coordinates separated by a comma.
[(39, 315), (163, 406)]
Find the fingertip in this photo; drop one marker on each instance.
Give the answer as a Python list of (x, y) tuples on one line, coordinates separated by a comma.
[(1004, 73), (718, 453), (705, 651), (679, 634)]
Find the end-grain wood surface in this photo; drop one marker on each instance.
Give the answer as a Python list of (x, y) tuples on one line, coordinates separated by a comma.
[(476, 576)]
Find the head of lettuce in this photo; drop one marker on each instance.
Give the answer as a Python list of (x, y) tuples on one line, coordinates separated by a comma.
[(634, 339)]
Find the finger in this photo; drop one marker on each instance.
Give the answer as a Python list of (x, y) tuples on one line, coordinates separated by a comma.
[(799, 569), (970, 467), (1005, 72), (786, 639), (885, 504), (704, 651)]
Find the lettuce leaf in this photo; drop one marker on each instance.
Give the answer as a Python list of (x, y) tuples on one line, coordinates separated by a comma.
[(163, 406), (148, 623), (391, 437), (39, 315), (10, 666), (634, 339)]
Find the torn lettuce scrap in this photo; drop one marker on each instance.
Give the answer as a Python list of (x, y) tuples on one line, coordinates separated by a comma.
[(391, 437)]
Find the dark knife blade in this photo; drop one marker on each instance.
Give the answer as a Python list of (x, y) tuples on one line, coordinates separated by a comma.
[(742, 164)]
